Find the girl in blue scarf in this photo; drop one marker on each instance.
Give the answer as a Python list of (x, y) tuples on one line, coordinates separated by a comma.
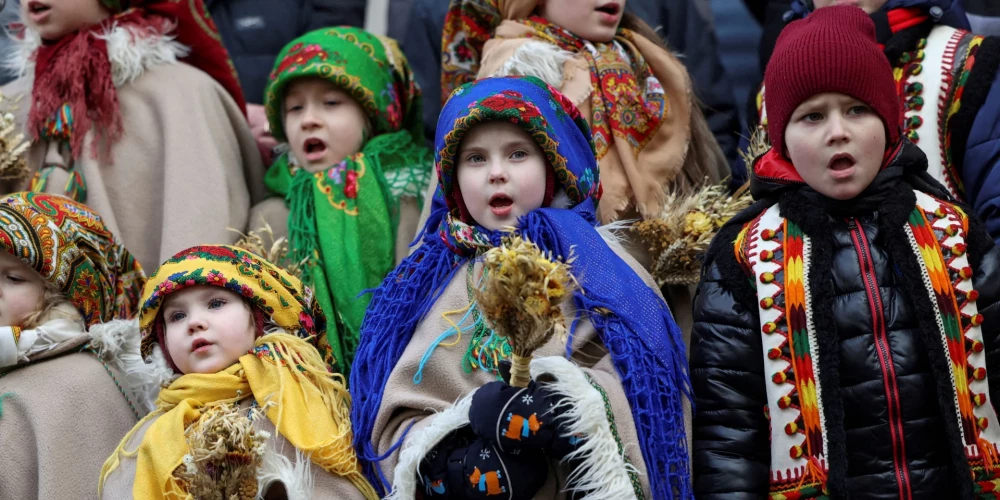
[(611, 407)]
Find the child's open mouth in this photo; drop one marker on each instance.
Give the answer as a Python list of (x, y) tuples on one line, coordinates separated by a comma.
[(501, 205), (841, 165), (610, 11), (315, 149), (37, 11)]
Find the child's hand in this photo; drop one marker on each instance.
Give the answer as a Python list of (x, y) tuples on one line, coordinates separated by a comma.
[(520, 419)]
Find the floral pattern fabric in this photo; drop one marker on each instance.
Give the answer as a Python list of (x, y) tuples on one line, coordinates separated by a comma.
[(69, 246)]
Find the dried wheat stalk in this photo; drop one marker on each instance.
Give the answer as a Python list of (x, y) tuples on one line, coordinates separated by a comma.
[(276, 252), (521, 299)]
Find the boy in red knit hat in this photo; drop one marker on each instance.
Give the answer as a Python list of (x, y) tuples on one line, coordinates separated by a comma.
[(846, 326)]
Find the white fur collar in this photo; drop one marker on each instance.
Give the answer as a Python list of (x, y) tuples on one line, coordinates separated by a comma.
[(117, 343), (131, 49)]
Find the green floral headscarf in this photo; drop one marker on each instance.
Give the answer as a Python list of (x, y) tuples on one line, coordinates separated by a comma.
[(343, 220)]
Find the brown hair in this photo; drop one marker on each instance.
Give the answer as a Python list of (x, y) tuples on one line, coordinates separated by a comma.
[(635, 24)]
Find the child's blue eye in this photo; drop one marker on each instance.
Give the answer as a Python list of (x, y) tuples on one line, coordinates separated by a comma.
[(519, 155), (857, 110), (175, 316), (216, 303), (813, 117), (476, 158)]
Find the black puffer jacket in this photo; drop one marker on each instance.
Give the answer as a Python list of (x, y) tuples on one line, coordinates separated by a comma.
[(903, 366)]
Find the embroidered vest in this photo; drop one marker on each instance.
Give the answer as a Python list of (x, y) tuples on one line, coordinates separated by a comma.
[(930, 82), (776, 253)]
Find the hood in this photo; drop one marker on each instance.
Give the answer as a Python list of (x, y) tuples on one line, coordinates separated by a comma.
[(772, 173), (952, 13)]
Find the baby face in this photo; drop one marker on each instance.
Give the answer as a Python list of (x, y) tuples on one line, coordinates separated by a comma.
[(501, 174), (594, 20), (836, 143), (22, 290), (54, 19), (208, 328), (323, 124)]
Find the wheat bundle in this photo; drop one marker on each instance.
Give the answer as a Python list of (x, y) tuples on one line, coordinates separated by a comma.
[(277, 252), (13, 144), (521, 297), (225, 454)]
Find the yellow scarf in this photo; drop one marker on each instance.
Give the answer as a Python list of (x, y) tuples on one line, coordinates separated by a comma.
[(308, 405)]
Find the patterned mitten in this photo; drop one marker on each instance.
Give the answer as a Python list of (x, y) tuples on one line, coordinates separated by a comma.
[(513, 418), (464, 466)]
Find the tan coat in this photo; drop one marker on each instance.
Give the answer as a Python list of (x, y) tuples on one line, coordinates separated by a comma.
[(118, 485), (64, 415), (444, 381), (185, 171)]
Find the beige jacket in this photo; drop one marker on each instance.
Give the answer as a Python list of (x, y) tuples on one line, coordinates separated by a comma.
[(186, 169), (299, 483), (431, 407), (61, 415)]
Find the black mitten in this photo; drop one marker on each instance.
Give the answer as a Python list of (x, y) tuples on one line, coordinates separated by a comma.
[(465, 466), (513, 418)]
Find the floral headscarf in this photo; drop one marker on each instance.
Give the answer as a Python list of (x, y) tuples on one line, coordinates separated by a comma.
[(370, 68), (269, 289), (67, 244), (343, 220)]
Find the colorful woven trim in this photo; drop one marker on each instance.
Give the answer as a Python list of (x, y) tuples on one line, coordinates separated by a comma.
[(937, 231), (775, 254), (967, 46)]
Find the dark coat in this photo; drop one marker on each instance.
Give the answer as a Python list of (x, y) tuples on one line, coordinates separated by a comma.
[(255, 31), (903, 364)]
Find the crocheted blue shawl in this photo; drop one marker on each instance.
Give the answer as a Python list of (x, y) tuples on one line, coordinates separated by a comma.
[(632, 320)]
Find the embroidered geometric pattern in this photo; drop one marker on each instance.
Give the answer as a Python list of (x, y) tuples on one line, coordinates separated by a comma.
[(937, 231), (968, 47), (776, 252)]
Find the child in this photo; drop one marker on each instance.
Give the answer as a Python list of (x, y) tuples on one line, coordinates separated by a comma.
[(846, 334), (237, 329), (509, 151), (345, 102), (946, 78), (135, 110), (61, 274), (649, 133)]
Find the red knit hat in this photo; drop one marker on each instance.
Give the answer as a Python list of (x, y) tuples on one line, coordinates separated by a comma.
[(832, 50)]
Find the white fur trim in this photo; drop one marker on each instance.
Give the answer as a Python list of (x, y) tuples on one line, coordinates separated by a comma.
[(539, 59), (614, 235), (419, 444), (602, 472), (297, 477), (117, 343), (131, 50)]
